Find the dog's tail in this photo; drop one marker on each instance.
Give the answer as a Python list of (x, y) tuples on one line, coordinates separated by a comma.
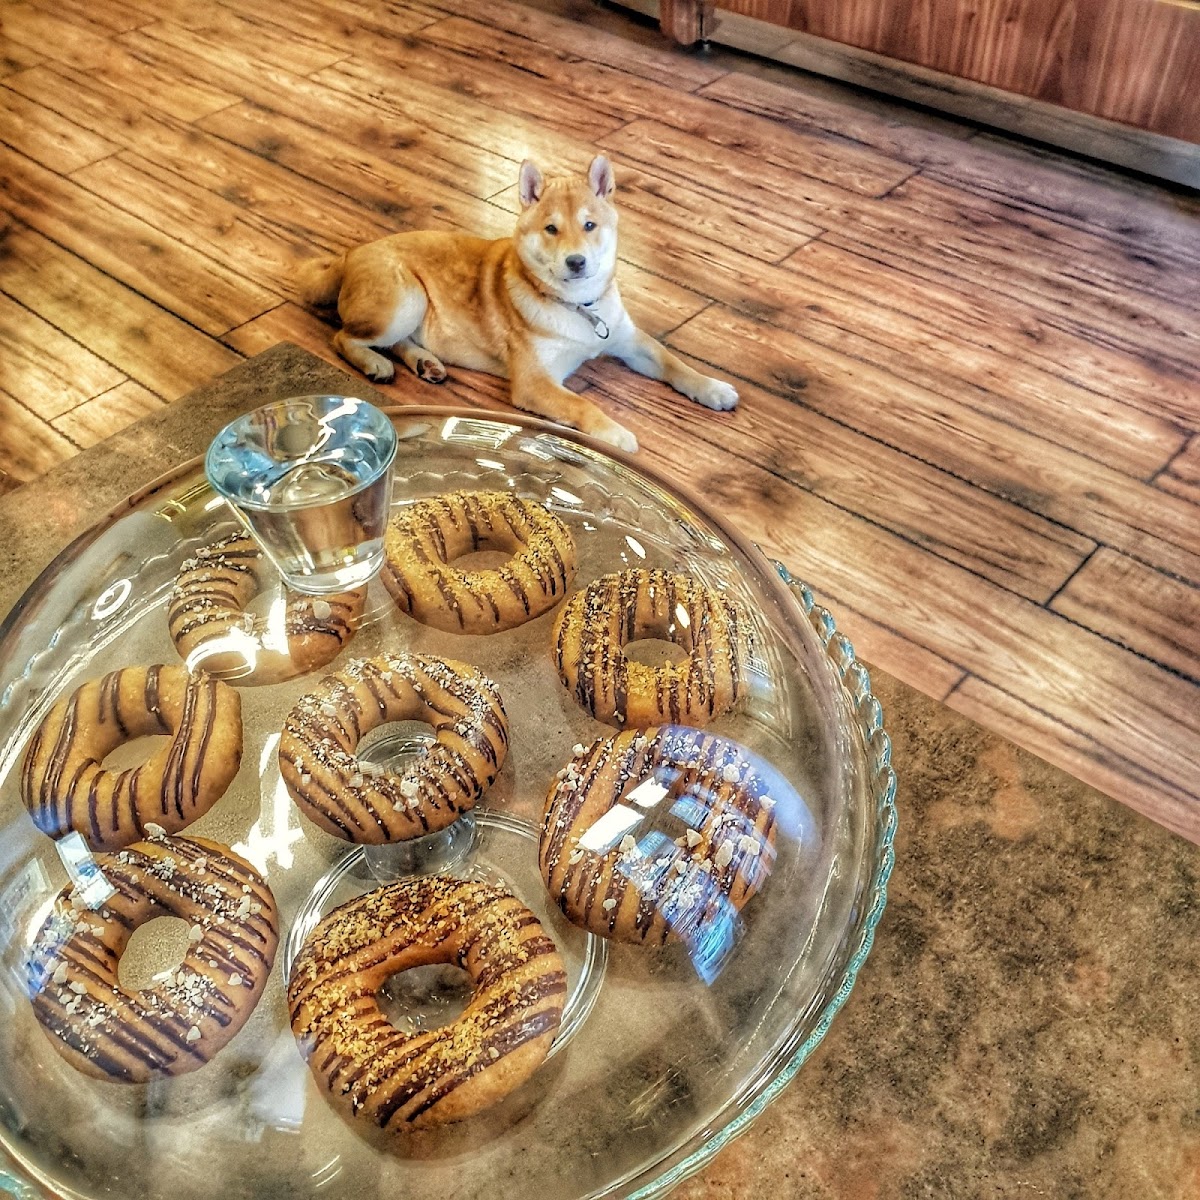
[(318, 280)]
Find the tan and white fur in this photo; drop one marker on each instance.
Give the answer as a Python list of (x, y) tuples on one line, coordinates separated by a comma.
[(531, 308)]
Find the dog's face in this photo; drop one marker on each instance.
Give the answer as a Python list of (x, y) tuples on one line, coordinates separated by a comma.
[(566, 235)]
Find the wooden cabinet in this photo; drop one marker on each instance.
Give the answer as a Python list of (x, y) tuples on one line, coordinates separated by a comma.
[(1133, 61)]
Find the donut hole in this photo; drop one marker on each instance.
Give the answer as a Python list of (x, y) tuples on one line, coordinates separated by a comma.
[(156, 950), (135, 752), (655, 652), (424, 998), (395, 744), (482, 560)]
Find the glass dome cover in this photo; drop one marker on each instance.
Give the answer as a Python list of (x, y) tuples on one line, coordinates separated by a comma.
[(663, 1053)]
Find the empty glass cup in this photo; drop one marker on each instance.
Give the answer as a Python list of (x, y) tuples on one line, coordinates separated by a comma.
[(310, 477)]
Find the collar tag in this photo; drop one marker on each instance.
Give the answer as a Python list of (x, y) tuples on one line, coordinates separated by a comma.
[(598, 322)]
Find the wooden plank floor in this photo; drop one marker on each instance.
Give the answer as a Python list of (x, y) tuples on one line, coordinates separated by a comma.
[(970, 368)]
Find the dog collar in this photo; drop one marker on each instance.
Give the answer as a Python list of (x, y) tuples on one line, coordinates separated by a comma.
[(598, 323)]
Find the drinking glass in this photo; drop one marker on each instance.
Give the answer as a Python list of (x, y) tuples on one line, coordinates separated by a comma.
[(310, 478)]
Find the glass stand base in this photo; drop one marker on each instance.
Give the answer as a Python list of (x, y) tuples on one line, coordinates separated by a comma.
[(434, 854)]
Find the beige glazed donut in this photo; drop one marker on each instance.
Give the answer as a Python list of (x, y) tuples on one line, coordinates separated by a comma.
[(133, 1036), (424, 539), (372, 1071), (211, 629), (598, 622), (632, 882), (363, 802), (64, 786)]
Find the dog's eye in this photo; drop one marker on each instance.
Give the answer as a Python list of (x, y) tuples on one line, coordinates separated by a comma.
[(588, 226), (552, 229)]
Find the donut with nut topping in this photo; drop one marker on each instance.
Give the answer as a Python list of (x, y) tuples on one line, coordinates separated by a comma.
[(424, 539), (612, 869), (211, 628), (599, 622), (371, 1070), (130, 1035), (362, 801)]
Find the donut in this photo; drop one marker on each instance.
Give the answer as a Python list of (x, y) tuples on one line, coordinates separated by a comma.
[(424, 539), (598, 622), (626, 878), (211, 629), (134, 1036), (372, 1071), (64, 786), (363, 802)]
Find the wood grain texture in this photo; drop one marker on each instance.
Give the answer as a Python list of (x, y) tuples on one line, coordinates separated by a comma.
[(29, 447), (46, 137), (1136, 61), (145, 342), (50, 372), (919, 139), (1182, 475), (1079, 492), (969, 369), (1082, 748), (1140, 608), (868, 479), (604, 90), (208, 293), (104, 415)]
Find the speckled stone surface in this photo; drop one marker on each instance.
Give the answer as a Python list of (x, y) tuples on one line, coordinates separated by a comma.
[(1028, 1023)]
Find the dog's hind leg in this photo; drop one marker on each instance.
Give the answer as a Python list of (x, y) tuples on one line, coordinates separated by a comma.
[(381, 305), (358, 353)]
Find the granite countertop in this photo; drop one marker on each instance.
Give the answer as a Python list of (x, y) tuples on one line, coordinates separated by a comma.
[(1027, 1024)]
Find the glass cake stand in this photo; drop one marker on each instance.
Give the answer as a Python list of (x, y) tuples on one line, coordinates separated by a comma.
[(661, 1058)]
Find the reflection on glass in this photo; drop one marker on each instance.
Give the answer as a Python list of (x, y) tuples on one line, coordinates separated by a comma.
[(310, 478)]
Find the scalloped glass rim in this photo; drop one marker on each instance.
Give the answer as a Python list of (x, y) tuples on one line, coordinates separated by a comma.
[(857, 680), (694, 1154)]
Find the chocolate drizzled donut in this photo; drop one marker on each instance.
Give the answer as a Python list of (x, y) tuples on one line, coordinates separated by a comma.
[(64, 786), (612, 611), (365, 803), (642, 886), (136, 1035), (211, 629), (368, 1068), (423, 539)]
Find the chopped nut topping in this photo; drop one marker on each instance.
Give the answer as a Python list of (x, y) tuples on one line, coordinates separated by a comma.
[(193, 1034)]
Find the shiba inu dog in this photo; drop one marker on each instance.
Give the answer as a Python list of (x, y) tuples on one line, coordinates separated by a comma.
[(531, 308)]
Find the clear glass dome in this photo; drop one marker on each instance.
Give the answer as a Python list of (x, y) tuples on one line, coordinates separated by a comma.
[(664, 1052)]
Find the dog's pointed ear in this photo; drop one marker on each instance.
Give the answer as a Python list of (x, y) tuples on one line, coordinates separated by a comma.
[(531, 183), (600, 176)]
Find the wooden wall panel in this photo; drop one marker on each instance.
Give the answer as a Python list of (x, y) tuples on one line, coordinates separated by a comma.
[(1135, 61)]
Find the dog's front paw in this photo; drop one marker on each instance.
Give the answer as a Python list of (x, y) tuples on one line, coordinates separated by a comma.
[(616, 435), (716, 394)]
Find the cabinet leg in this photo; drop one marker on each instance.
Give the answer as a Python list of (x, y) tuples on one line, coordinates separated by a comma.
[(686, 21)]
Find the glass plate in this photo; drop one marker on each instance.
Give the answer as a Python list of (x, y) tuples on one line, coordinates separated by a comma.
[(664, 1054)]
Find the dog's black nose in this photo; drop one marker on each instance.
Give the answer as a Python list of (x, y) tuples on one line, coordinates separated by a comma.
[(575, 263)]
